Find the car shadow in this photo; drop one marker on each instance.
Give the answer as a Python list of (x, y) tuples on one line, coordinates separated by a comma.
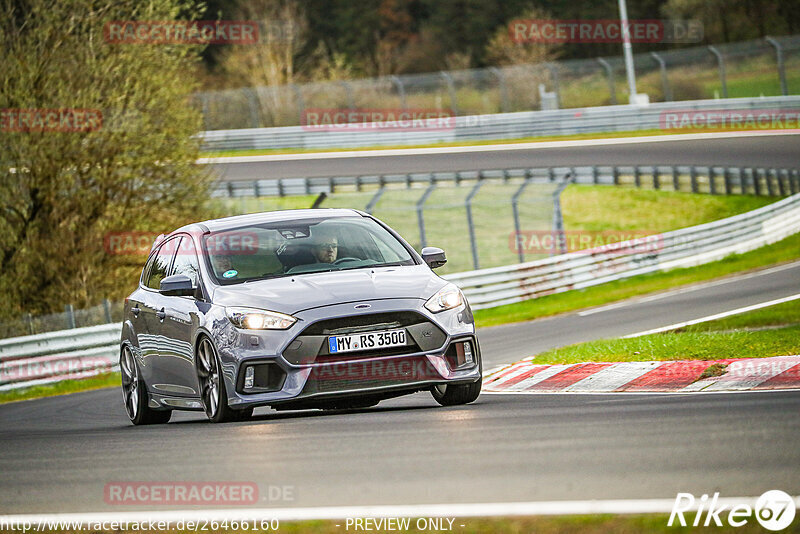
[(311, 413)]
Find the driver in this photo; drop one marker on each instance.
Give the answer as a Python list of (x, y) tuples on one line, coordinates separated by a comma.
[(326, 246)]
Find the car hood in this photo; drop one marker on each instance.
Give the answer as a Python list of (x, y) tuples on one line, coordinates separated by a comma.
[(292, 294)]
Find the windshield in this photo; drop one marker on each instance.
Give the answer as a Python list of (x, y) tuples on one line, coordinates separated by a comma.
[(288, 248)]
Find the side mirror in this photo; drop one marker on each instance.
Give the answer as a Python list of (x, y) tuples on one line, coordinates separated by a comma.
[(434, 257), (177, 285)]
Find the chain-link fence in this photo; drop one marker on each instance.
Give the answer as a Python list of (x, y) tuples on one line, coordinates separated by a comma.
[(768, 67), (107, 312)]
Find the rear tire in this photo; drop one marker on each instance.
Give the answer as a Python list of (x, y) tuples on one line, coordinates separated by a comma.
[(134, 393), (455, 394)]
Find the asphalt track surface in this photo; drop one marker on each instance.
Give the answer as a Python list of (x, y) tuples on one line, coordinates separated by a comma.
[(58, 454), (761, 151)]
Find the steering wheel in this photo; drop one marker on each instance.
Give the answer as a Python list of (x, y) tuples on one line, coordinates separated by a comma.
[(342, 260)]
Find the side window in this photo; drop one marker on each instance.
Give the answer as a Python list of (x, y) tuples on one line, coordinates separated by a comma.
[(186, 260), (160, 264)]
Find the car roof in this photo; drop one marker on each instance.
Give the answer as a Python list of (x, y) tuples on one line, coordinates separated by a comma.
[(237, 221)]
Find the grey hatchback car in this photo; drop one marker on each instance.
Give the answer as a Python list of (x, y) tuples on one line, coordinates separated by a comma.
[(323, 308)]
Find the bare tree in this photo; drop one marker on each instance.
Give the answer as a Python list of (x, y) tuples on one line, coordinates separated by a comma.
[(283, 30)]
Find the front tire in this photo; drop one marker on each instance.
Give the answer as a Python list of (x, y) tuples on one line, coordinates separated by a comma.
[(134, 393), (455, 394), (212, 386)]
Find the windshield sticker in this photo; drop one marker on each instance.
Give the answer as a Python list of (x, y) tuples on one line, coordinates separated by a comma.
[(230, 274)]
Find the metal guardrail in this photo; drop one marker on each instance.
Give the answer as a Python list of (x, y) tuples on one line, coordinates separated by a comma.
[(55, 356), (690, 178), (83, 352), (686, 247), (487, 127)]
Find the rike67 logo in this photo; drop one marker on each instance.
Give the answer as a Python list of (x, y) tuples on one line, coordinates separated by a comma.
[(774, 510)]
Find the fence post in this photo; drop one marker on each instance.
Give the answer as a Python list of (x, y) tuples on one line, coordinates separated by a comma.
[(301, 106), (29, 320), (742, 183), (662, 66), (615, 174), (676, 185), (451, 88), (656, 178), (727, 177), (204, 98), (693, 178), (781, 66), (612, 90), (756, 180), (515, 209), (721, 63), (420, 217), (401, 90), (767, 177), (374, 200), (501, 80), (637, 177), (107, 310), (470, 225), (351, 103), (256, 189), (712, 184), (556, 86), (70, 315), (781, 185), (558, 218), (252, 103), (794, 180), (281, 192)]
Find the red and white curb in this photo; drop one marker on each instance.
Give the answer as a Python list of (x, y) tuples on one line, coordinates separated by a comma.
[(744, 374)]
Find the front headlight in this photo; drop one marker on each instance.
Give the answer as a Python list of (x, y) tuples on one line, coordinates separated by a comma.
[(253, 319), (447, 298)]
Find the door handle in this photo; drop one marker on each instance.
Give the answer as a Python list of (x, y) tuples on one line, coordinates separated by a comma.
[(161, 314), (135, 311)]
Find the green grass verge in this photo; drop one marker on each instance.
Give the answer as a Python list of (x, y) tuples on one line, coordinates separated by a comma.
[(782, 251), (786, 314), (681, 346), (61, 388), (772, 331)]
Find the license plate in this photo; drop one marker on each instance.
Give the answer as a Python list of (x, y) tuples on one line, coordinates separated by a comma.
[(366, 341)]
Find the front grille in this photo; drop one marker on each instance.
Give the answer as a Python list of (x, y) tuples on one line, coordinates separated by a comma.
[(355, 324), (363, 375), (312, 344)]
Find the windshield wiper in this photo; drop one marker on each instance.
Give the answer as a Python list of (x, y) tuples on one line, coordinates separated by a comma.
[(393, 264)]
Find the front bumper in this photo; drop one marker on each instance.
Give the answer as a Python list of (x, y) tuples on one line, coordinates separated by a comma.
[(299, 374)]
